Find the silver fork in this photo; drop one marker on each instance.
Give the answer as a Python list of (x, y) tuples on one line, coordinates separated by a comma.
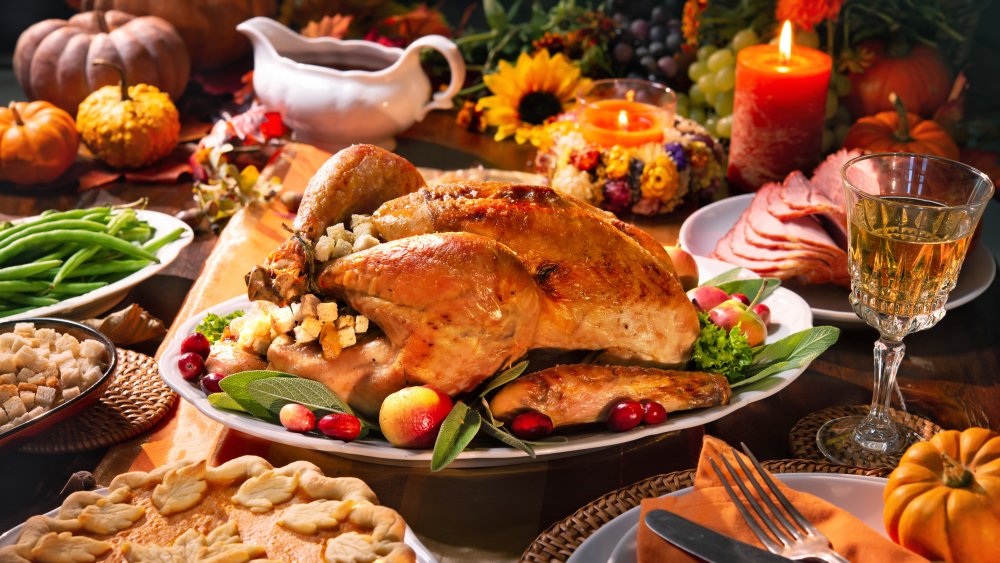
[(800, 542)]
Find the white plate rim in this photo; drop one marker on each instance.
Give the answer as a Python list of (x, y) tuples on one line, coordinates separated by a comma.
[(979, 260), (791, 310), (410, 538), (162, 223), (628, 521)]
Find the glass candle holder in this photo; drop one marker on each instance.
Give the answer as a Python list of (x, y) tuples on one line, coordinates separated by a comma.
[(626, 112)]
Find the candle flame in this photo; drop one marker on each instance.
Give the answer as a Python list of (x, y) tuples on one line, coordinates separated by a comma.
[(785, 42), (622, 120), (630, 95)]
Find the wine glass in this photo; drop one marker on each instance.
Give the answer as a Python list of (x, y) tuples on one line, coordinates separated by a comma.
[(911, 219)]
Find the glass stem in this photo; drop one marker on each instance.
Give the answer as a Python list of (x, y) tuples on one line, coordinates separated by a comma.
[(877, 431)]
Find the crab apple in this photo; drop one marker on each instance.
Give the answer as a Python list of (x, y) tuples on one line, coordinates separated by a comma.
[(684, 265), (763, 311), (412, 416), (297, 418), (340, 426), (531, 425), (732, 313), (707, 297), (741, 297)]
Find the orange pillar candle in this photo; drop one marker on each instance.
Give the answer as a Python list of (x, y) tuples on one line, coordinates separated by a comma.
[(778, 111), (625, 112)]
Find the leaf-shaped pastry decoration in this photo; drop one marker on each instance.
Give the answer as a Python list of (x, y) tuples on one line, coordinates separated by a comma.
[(64, 547), (316, 515), (262, 492), (181, 489), (225, 533), (188, 545), (138, 553), (130, 325), (351, 547), (229, 552), (223, 544), (106, 517)]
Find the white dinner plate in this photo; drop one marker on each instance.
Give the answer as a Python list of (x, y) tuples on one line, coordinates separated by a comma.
[(859, 495), (702, 230), (789, 314), (100, 300), (424, 555)]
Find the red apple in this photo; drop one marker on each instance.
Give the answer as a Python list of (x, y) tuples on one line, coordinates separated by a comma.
[(732, 313), (707, 297), (297, 418), (412, 416), (684, 265)]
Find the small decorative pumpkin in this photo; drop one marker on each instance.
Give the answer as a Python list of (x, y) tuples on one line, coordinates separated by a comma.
[(208, 27), (52, 58), (38, 141), (900, 131), (943, 499), (917, 73), (128, 126)]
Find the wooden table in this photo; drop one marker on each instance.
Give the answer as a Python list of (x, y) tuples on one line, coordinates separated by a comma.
[(950, 374)]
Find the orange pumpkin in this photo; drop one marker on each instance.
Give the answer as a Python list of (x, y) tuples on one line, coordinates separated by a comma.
[(943, 499), (900, 131), (52, 58), (208, 27), (38, 142), (918, 74)]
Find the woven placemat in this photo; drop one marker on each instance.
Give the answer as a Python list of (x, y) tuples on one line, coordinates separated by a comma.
[(134, 401), (564, 537), (802, 439)]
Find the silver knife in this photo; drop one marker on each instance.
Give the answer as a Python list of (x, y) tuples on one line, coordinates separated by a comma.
[(704, 543)]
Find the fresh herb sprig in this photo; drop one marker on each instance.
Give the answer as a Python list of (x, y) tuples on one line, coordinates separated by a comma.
[(212, 326)]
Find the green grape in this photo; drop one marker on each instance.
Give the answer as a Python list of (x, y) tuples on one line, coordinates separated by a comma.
[(744, 38), (698, 114), (842, 84), (827, 140), (696, 95), (725, 79), (697, 70), (706, 51), (707, 84), (710, 99), (840, 133), (807, 38), (710, 123), (683, 103), (720, 59), (724, 126), (724, 103), (831, 104)]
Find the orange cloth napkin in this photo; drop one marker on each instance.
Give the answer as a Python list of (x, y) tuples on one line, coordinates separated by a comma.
[(710, 506)]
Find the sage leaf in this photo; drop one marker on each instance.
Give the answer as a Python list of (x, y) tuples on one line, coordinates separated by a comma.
[(235, 386), (458, 429), (274, 393), (225, 402), (791, 352), (508, 439), (751, 288), (504, 378), (727, 276)]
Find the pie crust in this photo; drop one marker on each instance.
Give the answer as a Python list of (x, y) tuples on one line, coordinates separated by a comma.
[(242, 510)]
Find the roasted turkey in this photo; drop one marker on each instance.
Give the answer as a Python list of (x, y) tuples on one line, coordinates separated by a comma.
[(471, 276)]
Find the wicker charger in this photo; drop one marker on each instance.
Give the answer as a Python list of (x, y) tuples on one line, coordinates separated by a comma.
[(564, 537), (802, 439), (134, 401)]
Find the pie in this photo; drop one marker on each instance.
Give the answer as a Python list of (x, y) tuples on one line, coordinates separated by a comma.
[(242, 510)]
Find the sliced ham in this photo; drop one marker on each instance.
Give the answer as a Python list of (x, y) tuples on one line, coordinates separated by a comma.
[(804, 230), (826, 178), (805, 271)]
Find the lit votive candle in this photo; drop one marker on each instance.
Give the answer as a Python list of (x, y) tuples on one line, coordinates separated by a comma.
[(625, 112), (778, 111)]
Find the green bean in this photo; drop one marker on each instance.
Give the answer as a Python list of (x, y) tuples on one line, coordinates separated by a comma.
[(5, 225), (141, 234), (156, 244), (12, 312), (23, 286), (84, 254), (29, 229), (77, 288), (33, 300), (109, 267), (25, 270), (68, 236)]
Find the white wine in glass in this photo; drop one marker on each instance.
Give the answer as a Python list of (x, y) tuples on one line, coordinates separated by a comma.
[(911, 219)]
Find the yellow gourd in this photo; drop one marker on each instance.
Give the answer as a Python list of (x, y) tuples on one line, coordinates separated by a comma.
[(128, 126), (943, 499)]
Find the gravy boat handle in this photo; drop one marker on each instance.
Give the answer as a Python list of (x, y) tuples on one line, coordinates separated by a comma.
[(442, 100)]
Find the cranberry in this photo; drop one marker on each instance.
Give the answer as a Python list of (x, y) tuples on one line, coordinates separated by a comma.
[(191, 365), (340, 426), (210, 382), (196, 342), (531, 425), (653, 413), (763, 311), (625, 415), (742, 298), (297, 418)]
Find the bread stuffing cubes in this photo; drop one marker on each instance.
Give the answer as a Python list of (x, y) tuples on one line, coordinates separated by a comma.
[(41, 368)]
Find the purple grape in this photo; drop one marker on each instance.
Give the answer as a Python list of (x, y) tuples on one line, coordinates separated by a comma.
[(641, 51), (658, 33), (673, 42), (623, 53), (640, 28), (656, 49), (659, 14), (648, 63), (667, 66)]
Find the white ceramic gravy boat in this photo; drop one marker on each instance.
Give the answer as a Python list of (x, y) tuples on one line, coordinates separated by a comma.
[(334, 93)]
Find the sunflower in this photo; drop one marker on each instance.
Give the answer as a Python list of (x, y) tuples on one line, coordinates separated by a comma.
[(528, 93), (807, 13)]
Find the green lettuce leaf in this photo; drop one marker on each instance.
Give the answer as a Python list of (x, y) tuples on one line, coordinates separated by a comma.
[(719, 351)]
